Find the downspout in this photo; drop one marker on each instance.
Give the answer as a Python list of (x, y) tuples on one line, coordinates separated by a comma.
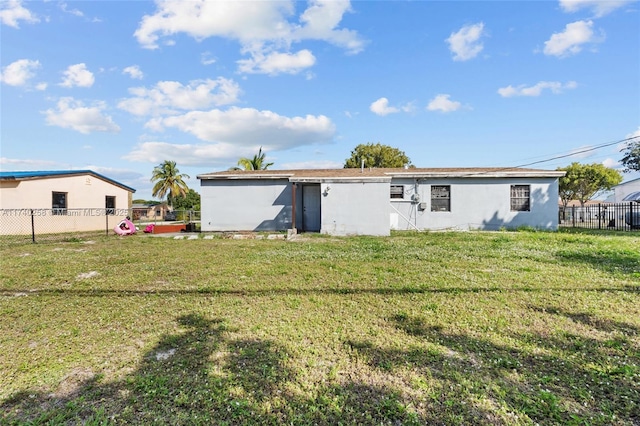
[(293, 205)]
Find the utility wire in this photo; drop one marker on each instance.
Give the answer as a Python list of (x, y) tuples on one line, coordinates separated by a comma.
[(582, 151)]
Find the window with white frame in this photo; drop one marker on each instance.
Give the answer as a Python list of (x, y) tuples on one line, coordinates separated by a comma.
[(397, 191), (520, 198), (440, 198)]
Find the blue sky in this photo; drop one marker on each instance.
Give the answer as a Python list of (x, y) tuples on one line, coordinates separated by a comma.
[(120, 86)]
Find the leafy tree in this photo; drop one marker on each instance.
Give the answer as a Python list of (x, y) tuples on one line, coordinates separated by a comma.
[(631, 159), (582, 181), (255, 163), (377, 155), (189, 201), (169, 181)]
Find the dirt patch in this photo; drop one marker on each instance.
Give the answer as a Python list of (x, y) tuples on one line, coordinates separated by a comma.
[(73, 382), (87, 275)]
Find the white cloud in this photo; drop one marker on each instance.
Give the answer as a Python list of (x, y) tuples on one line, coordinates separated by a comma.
[(276, 63), (12, 11), (188, 154), (250, 127), (25, 164), (320, 21), (381, 107), (207, 59), (77, 76), (465, 44), (598, 7), (19, 72), (41, 86), (167, 97), (265, 30), (570, 41), (72, 114), (611, 163), (134, 71), (442, 103), (65, 8), (635, 134), (536, 90)]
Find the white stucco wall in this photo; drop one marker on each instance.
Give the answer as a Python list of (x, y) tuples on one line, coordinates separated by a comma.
[(85, 204), (245, 205), (476, 203), (355, 208)]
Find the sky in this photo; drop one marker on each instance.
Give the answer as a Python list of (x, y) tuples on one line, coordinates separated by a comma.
[(118, 87)]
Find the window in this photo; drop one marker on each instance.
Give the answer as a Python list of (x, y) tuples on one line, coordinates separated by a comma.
[(397, 191), (110, 204), (520, 198), (59, 203), (440, 198)]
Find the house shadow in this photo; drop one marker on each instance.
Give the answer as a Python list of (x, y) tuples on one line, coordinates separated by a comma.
[(568, 379), (522, 219), (202, 376), (283, 219)]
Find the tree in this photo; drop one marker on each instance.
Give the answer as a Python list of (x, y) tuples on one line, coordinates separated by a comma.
[(189, 201), (631, 159), (377, 155), (255, 163), (169, 181), (582, 181)]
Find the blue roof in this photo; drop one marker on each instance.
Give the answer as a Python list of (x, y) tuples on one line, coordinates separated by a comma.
[(35, 174)]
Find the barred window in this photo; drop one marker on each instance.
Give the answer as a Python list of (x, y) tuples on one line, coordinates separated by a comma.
[(110, 204), (59, 203), (397, 191), (520, 198), (440, 198)]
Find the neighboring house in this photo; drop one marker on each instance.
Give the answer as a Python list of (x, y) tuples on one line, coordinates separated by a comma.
[(375, 201), (624, 189), (150, 211), (71, 200)]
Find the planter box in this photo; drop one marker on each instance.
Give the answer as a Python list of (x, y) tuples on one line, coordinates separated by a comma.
[(163, 229)]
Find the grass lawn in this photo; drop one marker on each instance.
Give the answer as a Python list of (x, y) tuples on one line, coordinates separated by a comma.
[(431, 328)]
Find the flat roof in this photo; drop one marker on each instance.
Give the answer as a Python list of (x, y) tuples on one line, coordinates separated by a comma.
[(43, 174), (357, 173)]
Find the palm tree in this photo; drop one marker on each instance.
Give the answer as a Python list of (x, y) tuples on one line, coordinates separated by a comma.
[(168, 181), (255, 163)]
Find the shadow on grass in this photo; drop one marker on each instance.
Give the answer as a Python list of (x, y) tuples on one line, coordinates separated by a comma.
[(590, 320), (201, 376), (65, 292), (562, 379), (626, 262)]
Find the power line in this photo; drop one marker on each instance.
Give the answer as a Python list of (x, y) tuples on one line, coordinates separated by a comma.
[(582, 151)]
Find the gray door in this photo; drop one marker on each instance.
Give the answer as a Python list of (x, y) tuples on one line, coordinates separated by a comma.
[(311, 208)]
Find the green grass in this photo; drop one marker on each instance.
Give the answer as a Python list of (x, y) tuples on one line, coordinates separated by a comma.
[(433, 328)]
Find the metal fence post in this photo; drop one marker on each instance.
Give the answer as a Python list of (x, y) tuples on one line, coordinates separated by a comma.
[(33, 228), (599, 216)]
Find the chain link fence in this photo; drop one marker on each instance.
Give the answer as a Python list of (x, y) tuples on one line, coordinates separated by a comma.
[(42, 225), (618, 216)]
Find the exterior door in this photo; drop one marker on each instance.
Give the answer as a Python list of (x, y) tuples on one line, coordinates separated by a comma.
[(311, 208)]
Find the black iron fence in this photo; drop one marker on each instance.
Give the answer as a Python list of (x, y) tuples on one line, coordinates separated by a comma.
[(618, 216), (41, 225)]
